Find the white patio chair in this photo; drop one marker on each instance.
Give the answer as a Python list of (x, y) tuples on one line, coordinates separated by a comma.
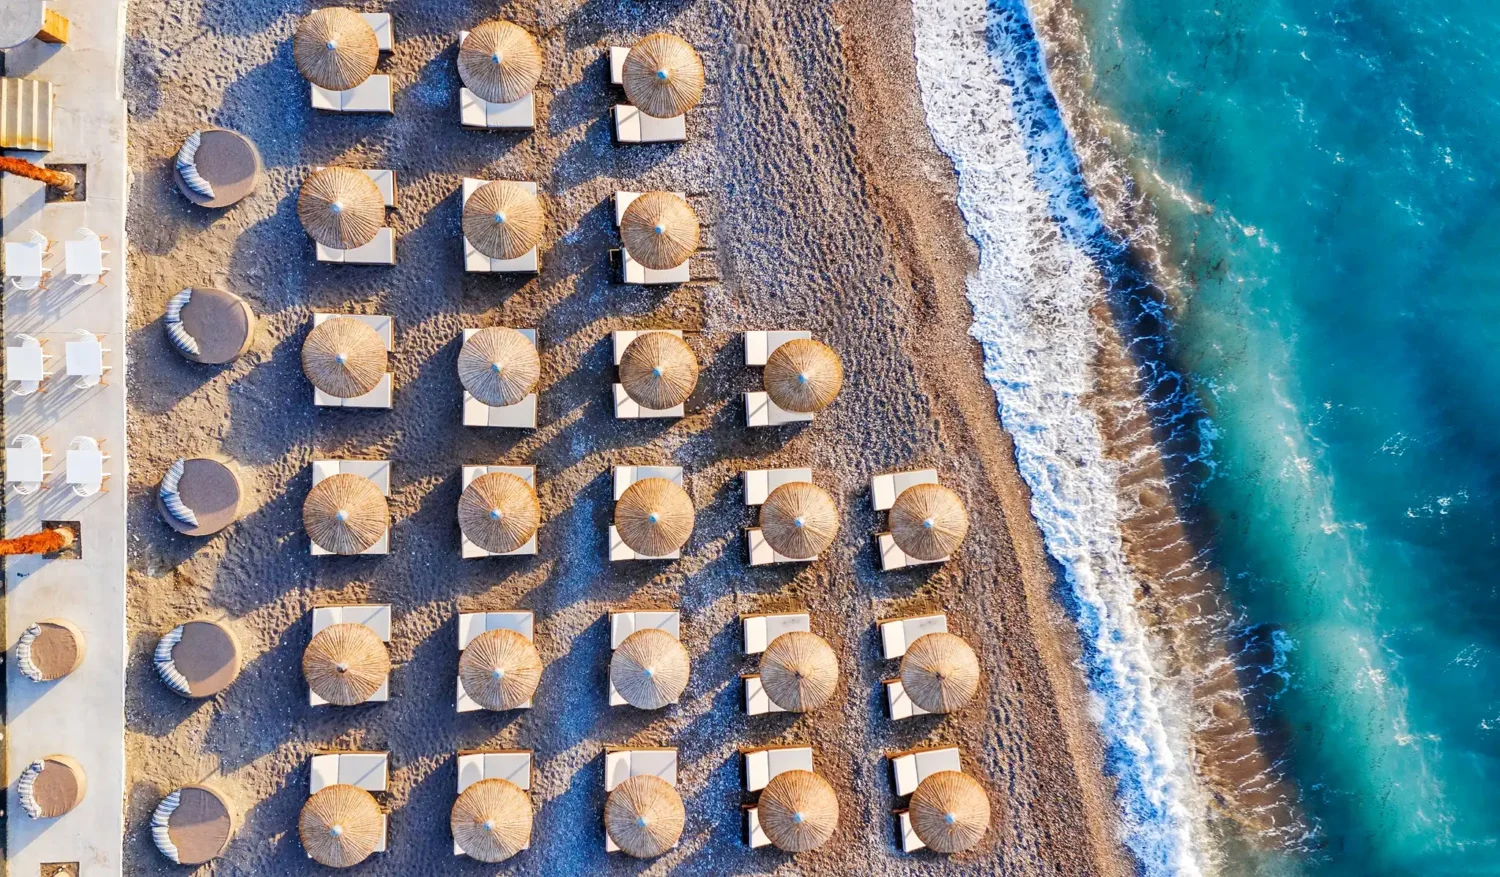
[(26, 468), (27, 386), (84, 455)]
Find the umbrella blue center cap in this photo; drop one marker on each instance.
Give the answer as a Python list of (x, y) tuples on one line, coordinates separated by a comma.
[(641, 821), (341, 667), (496, 514), (798, 523), (797, 817), (653, 518), (341, 515), (656, 371), (500, 217), (927, 523), (495, 367), (341, 358), (663, 74), (331, 45), (489, 825), (336, 831), (659, 228), (802, 379), (336, 208), (950, 818), (649, 672), (498, 57), (497, 673)]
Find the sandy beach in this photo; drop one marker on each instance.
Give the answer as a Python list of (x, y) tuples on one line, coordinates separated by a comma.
[(826, 207)]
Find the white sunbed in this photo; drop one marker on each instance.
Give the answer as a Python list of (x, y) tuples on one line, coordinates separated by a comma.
[(375, 616), (883, 492), (757, 702), (622, 764), (476, 262), (623, 624), (469, 473), (381, 395), (627, 408), (758, 485), (521, 415), (897, 634), (634, 272), (897, 705), (476, 112), (759, 409), (513, 765), (624, 476), (759, 630), (762, 765), (378, 471), (630, 125), (374, 95), (910, 767), (365, 770), (381, 250), (471, 625)]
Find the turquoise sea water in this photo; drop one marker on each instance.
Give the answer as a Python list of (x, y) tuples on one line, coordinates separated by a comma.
[(1341, 322)]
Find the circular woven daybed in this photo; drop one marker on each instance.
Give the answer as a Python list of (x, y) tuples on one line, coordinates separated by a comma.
[(199, 496), (217, 167), (192, 825), (50, 649), (198, 659), (51, 786), (209, 325)]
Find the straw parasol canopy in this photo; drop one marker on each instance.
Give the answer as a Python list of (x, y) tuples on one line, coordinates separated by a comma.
[(644, 816), (658, 370), (499, 366), (799, 671), (928, 521), (798, 811), (654, 517), (498, 512), (503, 219), (500, 670), (335, 48), (344, 357), (345, 513), (341, 826), (500, 62), (949, 811), (799, 520), (803, 375), (663, 76), (340, 207), (345, 664), (491, 820), (940, 672), (659, 230), (649, 669)]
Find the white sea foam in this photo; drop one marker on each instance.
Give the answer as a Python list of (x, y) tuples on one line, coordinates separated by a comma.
[(1026, 206)]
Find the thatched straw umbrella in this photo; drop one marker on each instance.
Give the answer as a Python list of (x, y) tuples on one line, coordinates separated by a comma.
[(798, 811), (499, 366), (803, 375), (799, 520), (799, 671), (940, 672), (345, 513), (949, 811), (500, 62), (663, 76), (659, 230), (335, 48), (650, 669), (503, 219), (658, 370), (498, 512), (928, 521), (644, 816), (341, 826), (654, 517), (500, 669), (345, 664), (340, 207), (491, 820), (344, 357)]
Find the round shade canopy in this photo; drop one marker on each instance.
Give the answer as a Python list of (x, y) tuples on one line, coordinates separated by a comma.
[(949, 811), (659, 230), (345, 513), (341, 826), (803, 375), (654, 517), (499, 366), (344, 357), (503, 219), (928, 521), (335, 48), (799, 671), (663, 76), (798, 811), (658, 370), (345, 664), (649, 669), (500, 670), (940, 672), (799, 520), (491, 820), (340, 207), (498, 512), (644, 816), (500, 62)]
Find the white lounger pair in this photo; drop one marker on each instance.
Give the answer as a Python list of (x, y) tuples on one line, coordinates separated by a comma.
[(476, 112), (375, 616), (365, 770), (758, 767), (469, 473), (632, 271), (908, 769), (381, 396), (757, 632), (896, 634), (623, 624), (476, 262), (760, 411), (381, 250), (758, 485), (883, 492), (521, 415), (629, 124), (627, 408), (471, 625), (622, 764), (624, 476), (511, 765), (378, 471), (374, 95)]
